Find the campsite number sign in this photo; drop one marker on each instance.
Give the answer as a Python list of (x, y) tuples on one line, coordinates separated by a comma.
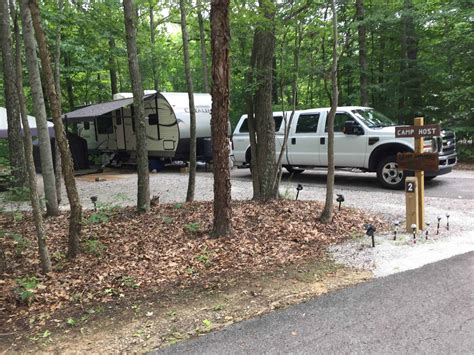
[(410, 186)]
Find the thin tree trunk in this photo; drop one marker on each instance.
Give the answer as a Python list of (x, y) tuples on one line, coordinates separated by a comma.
[(112, 67), (251, 122), (220, 45), (15, 143), (69, 83), (152, 42), (327, 213), (192, 110), (75, 219), (28, 148), (202, 42), (143, 196), (39, 109), (361, 28)]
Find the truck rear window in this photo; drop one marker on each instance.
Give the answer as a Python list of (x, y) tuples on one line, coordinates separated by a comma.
[(244, 128), (307, 123)]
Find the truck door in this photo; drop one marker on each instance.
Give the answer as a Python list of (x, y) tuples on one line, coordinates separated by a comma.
[(349, 150), (303, 143)]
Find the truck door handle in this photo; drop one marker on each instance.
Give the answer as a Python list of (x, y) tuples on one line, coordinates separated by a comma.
[(322, 140), (293, 140)]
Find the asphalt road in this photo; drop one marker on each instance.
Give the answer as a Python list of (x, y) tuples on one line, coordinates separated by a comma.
[(428, 310), (452, 185)]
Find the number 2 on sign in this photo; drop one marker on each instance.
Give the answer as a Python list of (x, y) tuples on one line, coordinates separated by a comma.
[(410, 187)]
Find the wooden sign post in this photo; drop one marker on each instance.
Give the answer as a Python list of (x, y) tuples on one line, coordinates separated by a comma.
[(412, 203), (418, 162)]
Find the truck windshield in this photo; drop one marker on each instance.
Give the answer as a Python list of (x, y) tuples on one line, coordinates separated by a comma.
[(373, 119)]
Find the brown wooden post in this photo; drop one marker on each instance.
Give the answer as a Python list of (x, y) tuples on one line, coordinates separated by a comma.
[(420, 177), (411, 198)]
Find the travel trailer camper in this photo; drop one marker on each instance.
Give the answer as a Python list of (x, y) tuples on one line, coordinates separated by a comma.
[(109, 128)]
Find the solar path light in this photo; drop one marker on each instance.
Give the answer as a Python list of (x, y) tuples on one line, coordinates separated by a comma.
[(340, 199), (299, 187), (94, 201), (370, 231), (447, 221), (426, 231), (395, 231), (413, 227), (437, 229)]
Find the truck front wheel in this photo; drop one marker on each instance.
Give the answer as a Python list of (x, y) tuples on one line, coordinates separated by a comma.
[(293, 170), (389, 175)]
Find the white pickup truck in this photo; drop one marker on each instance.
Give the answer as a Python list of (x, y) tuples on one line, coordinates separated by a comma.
[(363, 139)]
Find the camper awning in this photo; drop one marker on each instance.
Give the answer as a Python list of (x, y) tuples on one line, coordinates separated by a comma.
[(89, 113)]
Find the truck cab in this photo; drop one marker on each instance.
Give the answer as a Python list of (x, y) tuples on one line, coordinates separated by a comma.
[(363, 139)]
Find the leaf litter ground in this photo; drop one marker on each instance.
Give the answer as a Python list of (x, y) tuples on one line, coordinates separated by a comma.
[(127, 257)]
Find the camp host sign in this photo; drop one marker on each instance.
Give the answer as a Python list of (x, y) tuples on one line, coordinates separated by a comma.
[(430, 130)]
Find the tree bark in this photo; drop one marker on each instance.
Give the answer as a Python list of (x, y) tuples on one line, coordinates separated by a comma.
[(112, 67), (143, 196), (152, 42), (264, 122), (39, 109), (202, 42), (192, 110), (361, 28), (220, 45), (28, 150), (69, 83), (15, 143), (327, 213), (75, 218), (57, 81)]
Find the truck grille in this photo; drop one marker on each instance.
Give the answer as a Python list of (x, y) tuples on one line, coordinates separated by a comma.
[(449, 142)]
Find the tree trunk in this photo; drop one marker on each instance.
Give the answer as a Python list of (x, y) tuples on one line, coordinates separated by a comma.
[(57, 81), (75, 219), (15, 143), (361, 28), (220, 45), (202, 41), (39, 109), (28, 150), (112, 67), (69, 83), (152, 42), (327, 214), (264, 122), (192, 110), (143, 197)]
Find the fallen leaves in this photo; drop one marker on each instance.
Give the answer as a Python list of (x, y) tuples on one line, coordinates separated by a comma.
[(130, 254)]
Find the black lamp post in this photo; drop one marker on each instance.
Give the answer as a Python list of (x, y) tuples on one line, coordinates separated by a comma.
[(94, 201), (447, 221), (370, 231), (340, 199), (299, 187), (437, 229), (426, 231), (396, 224), (413, 227)]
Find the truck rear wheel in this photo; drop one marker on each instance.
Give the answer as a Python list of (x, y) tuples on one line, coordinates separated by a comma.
[(389, 175)]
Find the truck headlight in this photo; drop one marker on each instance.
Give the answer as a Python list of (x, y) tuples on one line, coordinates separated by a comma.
[(430, 146)]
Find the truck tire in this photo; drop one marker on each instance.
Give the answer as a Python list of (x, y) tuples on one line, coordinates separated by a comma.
[(293, 170), (388, 174)]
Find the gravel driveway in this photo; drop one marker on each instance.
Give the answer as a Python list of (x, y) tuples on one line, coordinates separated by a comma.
[(118, 188)]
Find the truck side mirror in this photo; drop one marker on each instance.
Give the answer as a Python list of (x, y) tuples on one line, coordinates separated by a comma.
[(353, 128)]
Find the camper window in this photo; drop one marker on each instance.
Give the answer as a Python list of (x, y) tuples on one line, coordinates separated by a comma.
[(104, 124), (87, 125), (153, 119)]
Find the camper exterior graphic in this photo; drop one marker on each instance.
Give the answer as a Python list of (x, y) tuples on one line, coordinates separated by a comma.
[(109, 127)]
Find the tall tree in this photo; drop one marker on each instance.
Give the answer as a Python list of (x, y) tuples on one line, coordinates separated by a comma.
[(39, 109), (361, 28), (154, 68), (220, 45), (327, 213), (143, 196), (75, 218), (202, 42), (112, 67), (261, 122), (192, 109), (15, 143)]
